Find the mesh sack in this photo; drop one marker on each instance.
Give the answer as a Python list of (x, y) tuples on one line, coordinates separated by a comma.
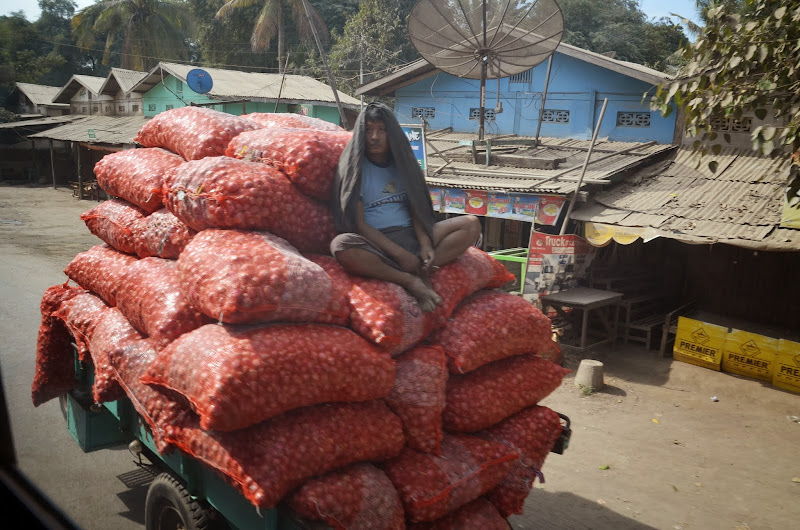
[(269, 459), (335, 271), (54, 372), (112, 332), (479, 514), (282, 119), (101, 270), (357, 497), (532, 433), (432, 486), (81, 314), (494, 392), (237, 377), (418, 396), (162, 235), (223, 192), (116, 222), (492, 325), (136, 175), (153, 302), (240, 276), (386, 314), (192, 132), (163, 410), (307, 156)]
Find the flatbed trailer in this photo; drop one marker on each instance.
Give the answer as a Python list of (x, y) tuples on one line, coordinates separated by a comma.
[(184, 493)]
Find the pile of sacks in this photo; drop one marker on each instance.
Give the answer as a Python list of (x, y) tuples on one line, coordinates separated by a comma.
[(214, 306)]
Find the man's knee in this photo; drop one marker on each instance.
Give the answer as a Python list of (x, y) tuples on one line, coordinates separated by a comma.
[(473, 227)]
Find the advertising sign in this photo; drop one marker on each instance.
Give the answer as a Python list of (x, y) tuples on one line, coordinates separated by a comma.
[(477, 202), (699, 343), (416, 137), (555, 263), (436, 198), (454, 200)]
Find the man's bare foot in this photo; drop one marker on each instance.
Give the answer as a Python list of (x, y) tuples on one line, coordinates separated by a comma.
[(425, 295)]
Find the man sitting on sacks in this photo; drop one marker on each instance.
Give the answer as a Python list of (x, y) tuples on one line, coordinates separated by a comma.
[(382, 205)]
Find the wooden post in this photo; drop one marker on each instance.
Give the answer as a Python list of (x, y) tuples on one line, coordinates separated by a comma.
[(78, 163), (52, 164)]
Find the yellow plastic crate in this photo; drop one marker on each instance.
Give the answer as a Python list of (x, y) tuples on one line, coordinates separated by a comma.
[(699, 343), (787, 366), (750, 355)]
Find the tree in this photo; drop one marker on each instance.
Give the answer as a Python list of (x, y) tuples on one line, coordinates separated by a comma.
[(270, 23), (143, 31)]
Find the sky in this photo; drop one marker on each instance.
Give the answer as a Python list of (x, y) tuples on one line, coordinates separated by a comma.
[(653, 8)]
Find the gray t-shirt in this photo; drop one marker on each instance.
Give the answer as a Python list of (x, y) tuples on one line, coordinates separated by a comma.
[(384, 197)]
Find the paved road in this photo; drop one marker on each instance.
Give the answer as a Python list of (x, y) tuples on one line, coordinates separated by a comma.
[(40, 232)]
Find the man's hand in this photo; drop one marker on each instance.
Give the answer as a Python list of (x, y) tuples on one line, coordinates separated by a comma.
[(426, 256), (408, 262)]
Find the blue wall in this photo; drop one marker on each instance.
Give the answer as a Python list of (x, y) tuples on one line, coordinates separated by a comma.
[(575, 86)]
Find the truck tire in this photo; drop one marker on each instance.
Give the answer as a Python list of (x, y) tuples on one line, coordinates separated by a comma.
[(169, 506)]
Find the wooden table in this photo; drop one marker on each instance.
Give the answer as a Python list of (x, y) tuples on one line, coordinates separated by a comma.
[(590, 302)]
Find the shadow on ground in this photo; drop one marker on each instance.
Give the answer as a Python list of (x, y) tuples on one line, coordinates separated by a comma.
[(567, 511)]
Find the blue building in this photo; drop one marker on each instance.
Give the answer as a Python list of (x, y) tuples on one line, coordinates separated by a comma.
[(579, 82)]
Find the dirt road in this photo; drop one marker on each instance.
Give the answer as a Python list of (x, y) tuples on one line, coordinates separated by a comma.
[(651, 450)]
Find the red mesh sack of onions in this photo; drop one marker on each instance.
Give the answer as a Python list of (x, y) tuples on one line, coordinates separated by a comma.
[(136, 175), (307, 156), (237, 377), (418, 396), (164, 411), (492, 325), (432, 486), (54, 371), (112, 332), (357, 497), (224, 192), (479, 514), (268, 460), (281, 119), (116, 222), (193, 132), (386, 314), (494, 392), (81, 314), (153, 302), (532, 433), (162, 235), (101, 270), (240, 276)]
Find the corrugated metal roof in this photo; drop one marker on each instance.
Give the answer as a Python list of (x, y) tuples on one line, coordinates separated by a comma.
[(39, 94), (740, 204), (449, 163), (91, 83), (234, 84), (121, 79), (50, 120), (107, 130)]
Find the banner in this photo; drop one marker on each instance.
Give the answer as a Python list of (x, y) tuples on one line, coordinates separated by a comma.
[(416, 137), (477, 202), (523, 207), (549, 209), (436, 198), (499, 205), (454, 200), (555, 263)]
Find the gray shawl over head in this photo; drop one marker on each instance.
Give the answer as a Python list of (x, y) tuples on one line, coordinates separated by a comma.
[(347, 182)]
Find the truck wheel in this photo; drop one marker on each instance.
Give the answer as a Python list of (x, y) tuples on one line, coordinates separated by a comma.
[(170, 507)]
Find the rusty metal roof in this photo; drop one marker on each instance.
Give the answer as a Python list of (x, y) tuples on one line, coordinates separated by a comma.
[(449, 157), (107, 130), (40, 94), (739, 204), (121, 79)]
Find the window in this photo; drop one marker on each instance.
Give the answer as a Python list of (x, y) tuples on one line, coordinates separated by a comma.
[(90, 96), (94, 109), (82, 92), (555, 116), (731, 124), (135, 108), (83, 110), (427, 113), (151, 107), (170, 107), (475, 114), (633, 119), (522, 77), (122, 108), (108, 108)]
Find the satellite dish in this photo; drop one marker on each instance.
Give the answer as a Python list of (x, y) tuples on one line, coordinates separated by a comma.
[(485, 39), (199, 80)]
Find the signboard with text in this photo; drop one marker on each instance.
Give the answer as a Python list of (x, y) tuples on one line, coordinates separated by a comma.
[(555, 263), (416, 137)]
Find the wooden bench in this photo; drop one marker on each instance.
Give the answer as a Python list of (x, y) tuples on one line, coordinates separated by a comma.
[(667, 323), (670, 325)]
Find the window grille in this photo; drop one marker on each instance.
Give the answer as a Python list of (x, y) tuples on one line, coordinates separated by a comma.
[(170, 107), (83, 110), (122, 108), (427, 113), (108, 108), (555, 116), (94, 109), (522, 77), (475, 114), (135, 108), (151, 107), (731, 124), (633, 119)]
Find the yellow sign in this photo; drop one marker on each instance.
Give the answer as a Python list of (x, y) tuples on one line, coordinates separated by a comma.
[(600, 235), (787, 366), (699, 343), (750, 355)]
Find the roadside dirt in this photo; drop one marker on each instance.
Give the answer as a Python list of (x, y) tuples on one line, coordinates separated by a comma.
[(652, 449)]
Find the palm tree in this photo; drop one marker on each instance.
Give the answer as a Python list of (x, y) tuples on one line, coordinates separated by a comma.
[(149, 30), (270, 23)]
